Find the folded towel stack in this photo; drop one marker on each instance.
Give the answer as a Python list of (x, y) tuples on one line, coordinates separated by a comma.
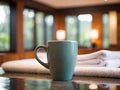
[(99, 58), (94, 60)]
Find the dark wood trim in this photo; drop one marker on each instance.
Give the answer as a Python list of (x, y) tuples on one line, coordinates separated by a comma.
[(45, 31), (35, 31), (12, 27), (35, 5), (39, 6), (89, 9)]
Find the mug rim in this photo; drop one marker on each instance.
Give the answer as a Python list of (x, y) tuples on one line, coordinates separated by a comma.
[(50, 41)]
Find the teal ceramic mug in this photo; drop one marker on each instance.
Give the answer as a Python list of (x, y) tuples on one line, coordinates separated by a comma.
[(61, 56)]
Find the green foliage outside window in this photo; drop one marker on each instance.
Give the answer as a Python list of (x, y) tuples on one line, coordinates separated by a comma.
[(4, 27)]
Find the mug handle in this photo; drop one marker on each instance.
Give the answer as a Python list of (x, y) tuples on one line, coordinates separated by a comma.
[(37, 58)]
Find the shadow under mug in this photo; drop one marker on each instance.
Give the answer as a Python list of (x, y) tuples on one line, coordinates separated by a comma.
[(61, 58)]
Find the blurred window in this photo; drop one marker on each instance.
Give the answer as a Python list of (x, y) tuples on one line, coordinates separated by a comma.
[(38, 28), (29, 16), (105, 23), (49, 27), (78, 28), (71, 27), (4, 27)]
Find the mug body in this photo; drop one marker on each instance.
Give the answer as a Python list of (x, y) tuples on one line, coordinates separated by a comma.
[(62, 57)]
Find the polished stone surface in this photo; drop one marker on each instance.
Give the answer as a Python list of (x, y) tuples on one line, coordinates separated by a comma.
[(15, 81)]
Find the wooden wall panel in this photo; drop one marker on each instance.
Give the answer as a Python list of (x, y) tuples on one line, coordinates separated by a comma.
[(19, 26), (97, 24), (118, 28), (59, 22)]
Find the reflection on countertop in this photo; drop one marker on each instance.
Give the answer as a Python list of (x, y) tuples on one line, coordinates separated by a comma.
[(42, 82)]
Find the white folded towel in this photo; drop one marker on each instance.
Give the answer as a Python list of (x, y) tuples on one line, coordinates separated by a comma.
[(101, 54), (91, 56), (92, 61), (101, 64), (110, 54), (113, 63), (23, 66), (99, 58)]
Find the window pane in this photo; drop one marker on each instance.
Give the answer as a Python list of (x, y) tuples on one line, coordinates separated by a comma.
[(84, 27), (105, 30), (71, 27), (49, 27), (28, 29), (4, 27), (40, 28)]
